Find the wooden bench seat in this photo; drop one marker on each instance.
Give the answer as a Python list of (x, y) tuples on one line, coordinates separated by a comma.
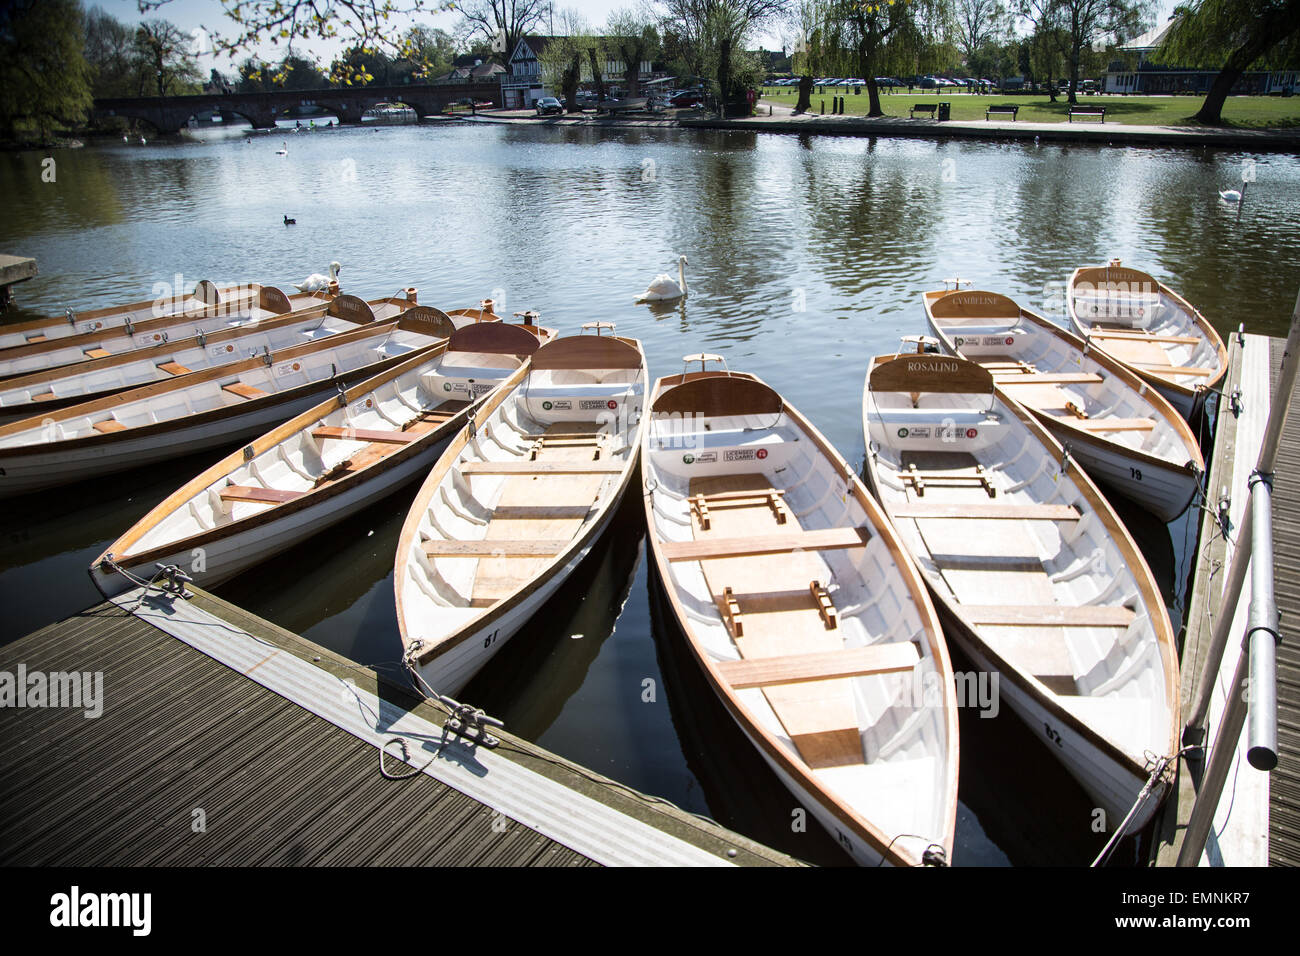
[(1009, 512), (1048, 615), (1143, 337), (1173, 369), (768, 497), (173, 368), (243, 391), (363, 434), (1044, 378), (495, 548), (108, 426), (823, 665), (272, 496), (539, 468), (1116, 424), (97, 353), (1011, 108), (922, 108), (749, 545)]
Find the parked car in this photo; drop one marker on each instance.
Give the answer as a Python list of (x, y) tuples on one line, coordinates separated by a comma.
[(548, 105), (687, 98)]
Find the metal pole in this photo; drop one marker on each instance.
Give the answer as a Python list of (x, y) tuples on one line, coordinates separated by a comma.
[(1262, 633), (1243, 687), (1200, 706)]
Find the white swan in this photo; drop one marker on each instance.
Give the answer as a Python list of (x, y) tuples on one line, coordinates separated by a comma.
[(317, 282), (662, 287), (1231, 195), (284, 150)]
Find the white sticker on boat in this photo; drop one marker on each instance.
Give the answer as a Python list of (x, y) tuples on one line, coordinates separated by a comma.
[(221, 350), (705, 457), (288, 368), (918, 431), (561, 405), (588, 404), (744, 454)]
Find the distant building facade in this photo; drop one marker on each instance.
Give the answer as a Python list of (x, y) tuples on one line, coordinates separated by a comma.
[(525, 82), (1155, 79)]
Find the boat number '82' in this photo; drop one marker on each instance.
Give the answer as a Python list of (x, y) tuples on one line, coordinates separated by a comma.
[(1052, 735)]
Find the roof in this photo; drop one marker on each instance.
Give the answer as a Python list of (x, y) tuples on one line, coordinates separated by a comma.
[(1149, 40)]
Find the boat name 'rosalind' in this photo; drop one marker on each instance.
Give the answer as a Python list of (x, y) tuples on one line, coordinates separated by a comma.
[(932, 367)]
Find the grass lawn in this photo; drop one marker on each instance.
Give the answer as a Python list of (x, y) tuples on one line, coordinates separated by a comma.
[(1244, 111)]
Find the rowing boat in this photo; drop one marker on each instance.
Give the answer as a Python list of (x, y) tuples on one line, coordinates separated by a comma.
[(40, 392), (1040, 579), (268, 303), (800, 604), (203, 410), (1120, 429), (198, 302), (314, 470), (516, 502), (1133, 318)]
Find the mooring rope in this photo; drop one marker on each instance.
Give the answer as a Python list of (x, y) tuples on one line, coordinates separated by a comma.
[(1158, 767)]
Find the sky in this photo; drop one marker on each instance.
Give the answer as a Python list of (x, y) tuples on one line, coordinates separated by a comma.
[(194, 16)]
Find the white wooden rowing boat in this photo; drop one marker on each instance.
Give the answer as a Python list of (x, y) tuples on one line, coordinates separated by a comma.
[(40, 392), (202, 410), (1130, 316), (205, 295), (516, 502), (269, 303), (1123, 432), (1041, 580), (808, 618), (319, 467)]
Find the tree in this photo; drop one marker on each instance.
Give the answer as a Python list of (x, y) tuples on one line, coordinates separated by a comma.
[(563, 57), (717, 31), (632, 39), (1233, 35), (501, 23), (870, 39), (1089, 21), (431, 51), (111, 55), (362, 66), (360, 23), (164, 53), (44, 77), (1048, 42), (978, 24), (298, 73)]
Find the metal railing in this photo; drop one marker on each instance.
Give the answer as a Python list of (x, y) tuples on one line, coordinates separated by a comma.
[(1253, 691)]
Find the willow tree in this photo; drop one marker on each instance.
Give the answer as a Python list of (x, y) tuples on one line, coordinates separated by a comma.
[(1234, 36), (632, 39), (44, 78), (718, 31)]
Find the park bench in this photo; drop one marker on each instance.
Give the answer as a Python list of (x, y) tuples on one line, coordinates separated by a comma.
[(923, 108), (1011, 108), (1086, 111)]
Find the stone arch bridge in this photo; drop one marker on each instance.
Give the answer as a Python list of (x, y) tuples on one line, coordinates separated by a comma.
[(168, 114)]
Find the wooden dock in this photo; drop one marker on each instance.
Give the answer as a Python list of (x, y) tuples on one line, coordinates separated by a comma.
[(14, 269), (226, 740), (1258, 818)]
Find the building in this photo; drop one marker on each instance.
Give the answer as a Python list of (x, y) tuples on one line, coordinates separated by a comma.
[(1138, 74), (470, 68), (525, 82)]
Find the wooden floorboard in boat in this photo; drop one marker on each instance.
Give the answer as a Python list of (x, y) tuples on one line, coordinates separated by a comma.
[(560, 494), (819, 716)]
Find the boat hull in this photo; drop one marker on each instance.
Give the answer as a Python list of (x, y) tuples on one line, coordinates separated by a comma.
[(217, 562), (1163, 489)]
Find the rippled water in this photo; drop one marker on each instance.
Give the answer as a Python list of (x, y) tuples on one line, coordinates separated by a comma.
[(806, 255)]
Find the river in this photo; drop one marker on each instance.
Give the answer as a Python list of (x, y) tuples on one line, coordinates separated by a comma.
[(805, 256)]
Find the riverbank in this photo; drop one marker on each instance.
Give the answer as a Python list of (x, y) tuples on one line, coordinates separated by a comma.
[(1085, 130), (782, 120)]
